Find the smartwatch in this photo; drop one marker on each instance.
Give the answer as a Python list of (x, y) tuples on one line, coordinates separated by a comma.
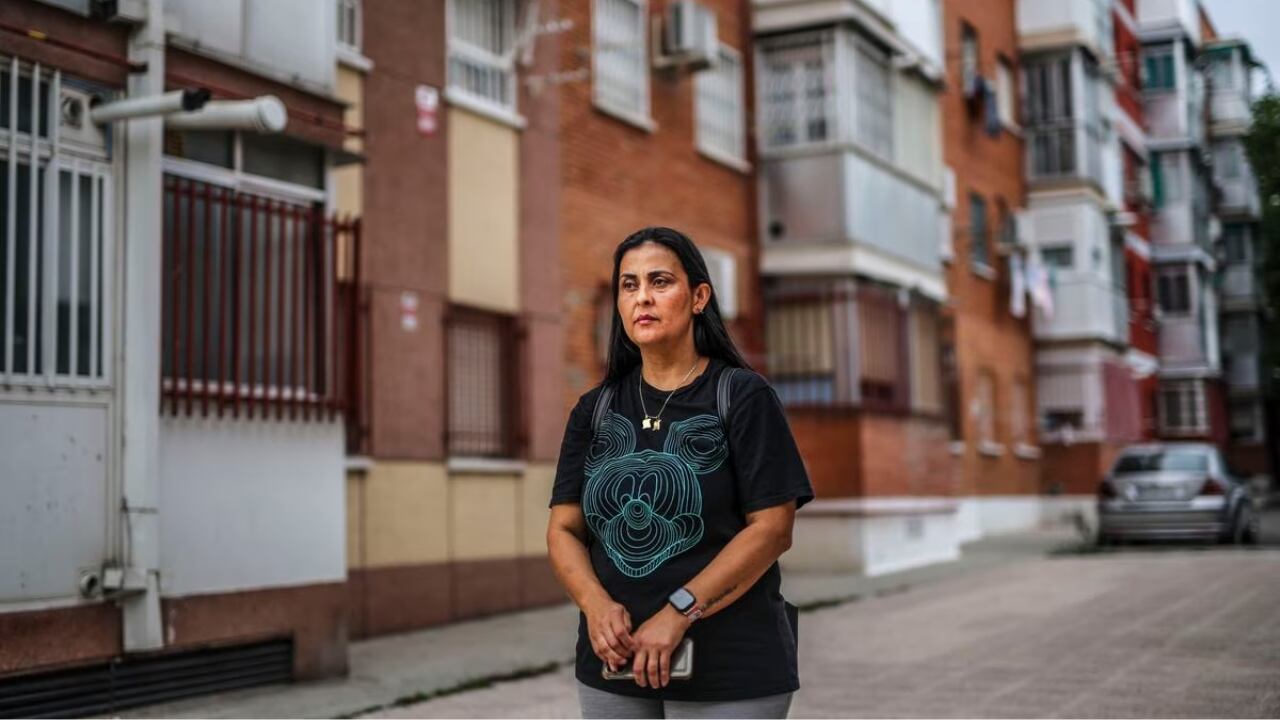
[(685, 603)]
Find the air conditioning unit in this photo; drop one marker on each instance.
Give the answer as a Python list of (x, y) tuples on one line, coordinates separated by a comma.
[(690, 39), (723, 268)]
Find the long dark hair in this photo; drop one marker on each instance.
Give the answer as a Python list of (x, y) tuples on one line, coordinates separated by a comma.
[(710, 337)]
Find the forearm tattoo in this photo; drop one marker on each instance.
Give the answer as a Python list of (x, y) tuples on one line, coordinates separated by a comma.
[(721, 596)]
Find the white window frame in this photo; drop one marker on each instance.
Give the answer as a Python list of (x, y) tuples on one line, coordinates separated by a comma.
[(1170, 275), (348, 35), (504, 64), (723, 268), (798, 111), (872, 125), (55, 155), (639, 116), (728, 74)]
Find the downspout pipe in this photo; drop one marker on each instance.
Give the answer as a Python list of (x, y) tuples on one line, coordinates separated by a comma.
[(139, 345)]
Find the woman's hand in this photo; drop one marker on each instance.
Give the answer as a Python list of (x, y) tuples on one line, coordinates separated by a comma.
[(609, 629), (655, 641)]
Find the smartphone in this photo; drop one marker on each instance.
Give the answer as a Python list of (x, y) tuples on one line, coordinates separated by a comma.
[(681, 665)]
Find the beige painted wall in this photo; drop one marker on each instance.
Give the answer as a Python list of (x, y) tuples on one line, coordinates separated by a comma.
[(406, 514), (483, 212), (348, 180)]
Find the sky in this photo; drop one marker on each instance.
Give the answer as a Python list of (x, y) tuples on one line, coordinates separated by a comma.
[(1257, 21)]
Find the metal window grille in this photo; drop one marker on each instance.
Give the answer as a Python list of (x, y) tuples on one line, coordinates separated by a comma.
[(1173, 291), (1051, 131), (721, 124), (797, 89), (55, 239), (482, 35), (1182, 408), (349, 24), (483, 407), (621, 74), (261, 309)]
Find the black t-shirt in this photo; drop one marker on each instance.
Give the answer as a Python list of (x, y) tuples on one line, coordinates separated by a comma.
[(660, 505)]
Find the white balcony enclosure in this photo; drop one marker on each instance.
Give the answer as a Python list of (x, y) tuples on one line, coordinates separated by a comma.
[(850, 168), (291, 40), (1068, 107), (912, 29), (1229, 70), (1169, 18), (1066, 23), (1239, 285), (1173, 95)]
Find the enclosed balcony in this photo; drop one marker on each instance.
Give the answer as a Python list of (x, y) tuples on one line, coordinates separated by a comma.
[(850, 162), (1229, 70), (1238, 279), (1236, 181), (1188, 323), (1164, 18), (1241, 341), (1066, 23), (1063, 116), (1173, 95), (1085, 308)]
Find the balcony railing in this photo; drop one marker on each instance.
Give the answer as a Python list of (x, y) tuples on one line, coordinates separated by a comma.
[(262, 308)]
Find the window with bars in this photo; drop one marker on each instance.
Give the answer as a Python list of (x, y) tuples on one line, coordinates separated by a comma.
[(1049, 116), (259, 304), (483, 400), (797, 89), (719, 107), (349, 25), (1158, 63), (55, 240), (969, 62), (621, 72), (482, 36), (1182, 408)]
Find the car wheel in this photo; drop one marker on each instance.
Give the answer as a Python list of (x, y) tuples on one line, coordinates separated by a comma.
[(1252, 534), (1239, 528)]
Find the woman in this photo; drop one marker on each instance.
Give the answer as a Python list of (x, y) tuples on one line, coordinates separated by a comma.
[(667, 524)]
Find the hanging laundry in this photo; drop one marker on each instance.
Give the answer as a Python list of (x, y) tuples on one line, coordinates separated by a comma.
[(1041, 292), (1017, 286)]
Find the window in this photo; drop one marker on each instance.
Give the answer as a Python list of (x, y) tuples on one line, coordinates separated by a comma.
[(1173, 181), (1019, 405), (979, 253), (1219, 70), (1227, 157), (1182, 407), (349, 25), (969, 60), (484, 415), (926, 358), (1058, 256), (985, 407), (880, 328), (1246, 420), (55, 240), (1239, 334), (723, 268), (1160, 74), (874, 129), (1056, 420), (797, 89), (1049, 116), (1235, 240), (1173, 291), (719, 107), (1004, 93), (621, 73), (482, 52), (1007, 230), (799, 338)]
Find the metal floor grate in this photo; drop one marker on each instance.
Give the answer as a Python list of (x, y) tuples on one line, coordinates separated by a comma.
[(132, 681)]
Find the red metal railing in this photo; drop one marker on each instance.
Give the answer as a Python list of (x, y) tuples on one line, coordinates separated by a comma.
[(263, 309)]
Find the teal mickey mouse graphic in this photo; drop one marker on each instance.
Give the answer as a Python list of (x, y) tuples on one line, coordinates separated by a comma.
[(646, 507)]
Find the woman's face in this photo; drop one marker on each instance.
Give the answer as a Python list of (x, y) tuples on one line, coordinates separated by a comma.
[(654, 298)]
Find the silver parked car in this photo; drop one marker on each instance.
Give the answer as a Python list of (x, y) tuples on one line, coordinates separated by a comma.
[(1175, 491)]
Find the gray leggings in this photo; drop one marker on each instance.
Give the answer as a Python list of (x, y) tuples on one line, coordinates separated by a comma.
[(600, 704)]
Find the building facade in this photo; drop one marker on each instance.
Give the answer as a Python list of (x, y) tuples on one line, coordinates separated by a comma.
[(993, 414), (853, 227), (178, 304)]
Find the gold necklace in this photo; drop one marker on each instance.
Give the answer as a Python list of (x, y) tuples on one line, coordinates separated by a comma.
[(653, 423)]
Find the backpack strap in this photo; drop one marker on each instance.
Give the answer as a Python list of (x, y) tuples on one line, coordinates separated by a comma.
[(724, 395), (603, 401)]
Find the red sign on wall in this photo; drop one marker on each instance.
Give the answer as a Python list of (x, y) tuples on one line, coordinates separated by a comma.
[(427, 100)]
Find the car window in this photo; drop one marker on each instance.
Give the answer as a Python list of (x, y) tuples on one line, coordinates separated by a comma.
[(1183, 460)]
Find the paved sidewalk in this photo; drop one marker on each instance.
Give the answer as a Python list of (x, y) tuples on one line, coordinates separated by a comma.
[(397, 670)]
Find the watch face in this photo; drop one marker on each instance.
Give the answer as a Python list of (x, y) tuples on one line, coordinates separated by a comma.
[(682, 599)]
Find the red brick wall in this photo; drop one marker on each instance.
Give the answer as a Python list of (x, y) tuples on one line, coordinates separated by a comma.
[(406, 225), (618, 178), (1078, 468), (987, 336)]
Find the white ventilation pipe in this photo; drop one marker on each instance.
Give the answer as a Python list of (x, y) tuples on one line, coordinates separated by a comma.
[(149, 106), (265, 114)]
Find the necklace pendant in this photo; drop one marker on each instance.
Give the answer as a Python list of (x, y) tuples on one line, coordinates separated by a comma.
[(656, 424), (645, 424)]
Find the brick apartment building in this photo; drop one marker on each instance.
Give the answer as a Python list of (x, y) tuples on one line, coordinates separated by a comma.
[(994, 426)]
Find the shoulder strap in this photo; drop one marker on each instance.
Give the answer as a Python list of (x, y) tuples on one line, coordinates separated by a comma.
[(603, 400), (724, 395)]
